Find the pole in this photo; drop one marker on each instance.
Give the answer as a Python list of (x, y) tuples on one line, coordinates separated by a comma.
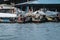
[(27, 10)]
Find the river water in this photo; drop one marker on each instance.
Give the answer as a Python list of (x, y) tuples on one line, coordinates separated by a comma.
[(30, 31)]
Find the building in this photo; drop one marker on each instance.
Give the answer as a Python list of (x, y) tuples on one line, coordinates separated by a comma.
[(36, 5)]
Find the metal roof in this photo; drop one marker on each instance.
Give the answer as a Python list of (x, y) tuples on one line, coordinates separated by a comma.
[(41, 2)]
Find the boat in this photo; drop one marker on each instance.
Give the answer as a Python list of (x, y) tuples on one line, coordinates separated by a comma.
[(51, 15), (37, 16), (8, 12)]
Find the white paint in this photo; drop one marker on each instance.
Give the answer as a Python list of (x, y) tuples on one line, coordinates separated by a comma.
[(7, 15)]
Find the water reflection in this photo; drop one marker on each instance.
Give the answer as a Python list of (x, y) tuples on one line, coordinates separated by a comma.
[(30, 31)]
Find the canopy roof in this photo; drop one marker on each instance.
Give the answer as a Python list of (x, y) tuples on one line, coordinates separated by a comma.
[(41, 2)]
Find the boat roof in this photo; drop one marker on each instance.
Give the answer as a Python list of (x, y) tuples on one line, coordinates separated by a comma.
[(41, 2)]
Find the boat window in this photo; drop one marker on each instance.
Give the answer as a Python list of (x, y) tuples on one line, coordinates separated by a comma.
[(6, 10)]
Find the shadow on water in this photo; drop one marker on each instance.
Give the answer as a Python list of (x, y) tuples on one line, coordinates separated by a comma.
[(30, 31)]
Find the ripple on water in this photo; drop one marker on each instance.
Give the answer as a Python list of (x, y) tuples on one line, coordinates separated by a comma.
[(30, 31)]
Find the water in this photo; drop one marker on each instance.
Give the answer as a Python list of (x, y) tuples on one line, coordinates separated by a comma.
[(30, 31)]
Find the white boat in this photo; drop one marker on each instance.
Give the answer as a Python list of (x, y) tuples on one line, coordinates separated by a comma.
[(37, 15), (9, 12), (51, 13)]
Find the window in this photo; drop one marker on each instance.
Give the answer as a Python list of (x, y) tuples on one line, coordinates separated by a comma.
[(6, 10)]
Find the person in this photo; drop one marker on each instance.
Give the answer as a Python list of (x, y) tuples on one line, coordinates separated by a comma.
[(20, 18)]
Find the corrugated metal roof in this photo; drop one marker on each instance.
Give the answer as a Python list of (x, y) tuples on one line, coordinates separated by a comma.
[(49, 1), (41, 2)]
